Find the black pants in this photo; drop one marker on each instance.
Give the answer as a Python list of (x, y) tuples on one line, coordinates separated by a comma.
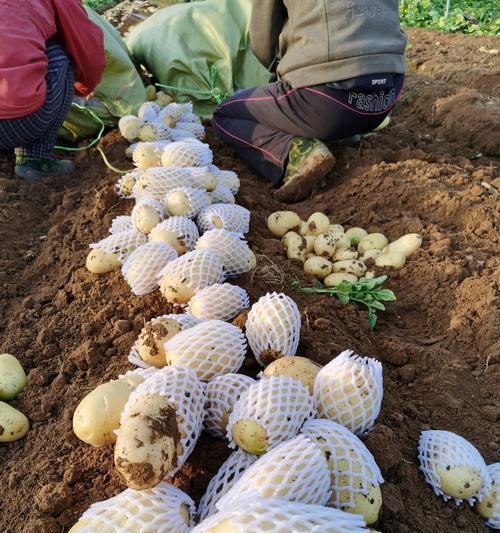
[(260, 123)]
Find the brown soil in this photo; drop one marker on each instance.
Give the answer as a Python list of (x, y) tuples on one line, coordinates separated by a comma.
[(440, 343)]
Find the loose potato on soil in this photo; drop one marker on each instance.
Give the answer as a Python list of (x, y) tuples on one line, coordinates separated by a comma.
[(372, 253), (281, 222), (99, 262), (391, 259), (356, 234), (13, 424), (152, 339), (12, 377), (372, 240), (324, 245), (317, 224), (332, 280), (350, 266), (296, 367), (345, 254), (295, 246), (318, 266), (406, 245)]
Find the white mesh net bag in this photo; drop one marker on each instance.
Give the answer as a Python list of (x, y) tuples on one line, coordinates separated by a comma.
[(218, 302), (141, 267), (179, 232), (147, 154), (232, 248), (176, 111), (158, 181), (273, 327), (295, 470), (190, 117), (222, 393), (143, 372), (179, 135), (211, 348), (261, 515), (162, 509), (194, 271), (187, 393), (125, 185), (222, 195), (148, 112), (129, 127), (185, 321), (194, 129), (146, 214), (227, 177), (155, 131), (120, 224), (489, 507), (121, 244), (352, 467), (185, 201), (453, 466), (228, 474), (276, 406), (186, 154), (349, 390), (231, 217)]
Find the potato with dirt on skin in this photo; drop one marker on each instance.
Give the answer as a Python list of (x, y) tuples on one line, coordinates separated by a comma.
[(368, 505), (406, 245), (282, 222), (372, 254), (350, 266), (391, 259), (336, 229), (342, 241), (250, 436), (318, 266), (100, 262), (372, 240), (146, 443), (152, 339), (13, 424), (295, 246), (345, 254), (296, 367), (303, 228), (333, 280), (460, 481), (355, 235), (12, 377), (146, 218), (325, 245), (317, 224)]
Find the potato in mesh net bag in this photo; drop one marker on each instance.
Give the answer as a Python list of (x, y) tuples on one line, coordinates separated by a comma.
[(221, 195), (191, 272), (270, 411), (186, 154), (179, 232), (187, 394), (175, 111), (121, 244), (295, 470), (129, 127), (231, 247), (149, 348), (211, 348), (148, 154), (222, 393), (155, 131), (353, 470), (141, 267), (146, 214), (221, 301), (190, 117), (231, 217), (125, 185), (489, 506), (194, 129), (227, 178), (162, 509), (148, 112), (453, 466), (227, 475), (120, 224), (273, 327), (185, 201), (262, 515), (349, 390)]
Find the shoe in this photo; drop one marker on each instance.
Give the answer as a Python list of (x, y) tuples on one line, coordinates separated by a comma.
[(309, 161), (35, 168)]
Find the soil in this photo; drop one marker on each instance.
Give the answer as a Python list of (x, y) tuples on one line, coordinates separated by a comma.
[(434, 171)]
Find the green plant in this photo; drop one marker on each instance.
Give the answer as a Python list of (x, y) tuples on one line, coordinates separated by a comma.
[(367, 292)]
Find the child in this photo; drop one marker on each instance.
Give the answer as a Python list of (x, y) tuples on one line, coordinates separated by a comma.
[(49, 50), (340, 69)]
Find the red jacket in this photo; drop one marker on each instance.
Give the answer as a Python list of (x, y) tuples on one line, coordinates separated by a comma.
[(25, 26)]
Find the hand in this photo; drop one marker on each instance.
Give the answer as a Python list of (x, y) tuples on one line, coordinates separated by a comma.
[(90, 96)]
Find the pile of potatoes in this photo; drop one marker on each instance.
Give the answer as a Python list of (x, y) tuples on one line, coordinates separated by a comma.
[(13, 424), (333, 254)]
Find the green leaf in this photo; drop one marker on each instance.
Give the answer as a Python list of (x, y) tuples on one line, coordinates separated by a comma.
[(343, 298), (378, 305), (385, 295), (372, 320)]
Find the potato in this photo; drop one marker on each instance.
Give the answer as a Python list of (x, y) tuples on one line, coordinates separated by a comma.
[(310, 239), (336, 279), (99, 262), (486, 507), (98, 414), (172, 238), (324, 245), (145, 449), (351, 266), (343, 255), (336, 229), (152, 339), (163, 99), (368, 505), (296, 367), (177, 203), (176, 290), (371, 253), (209, 182), (317, 224), (317, 266), (290, 236), (303, 228), (372, 240), (129, 127), (342, 241), (13, 424), (295, 246), (250, 436), (281, 222), (391, 259), (12, 377), (406, 245), (151, 93), (369, 275), (460, 481), (356, 234), (146, 218)]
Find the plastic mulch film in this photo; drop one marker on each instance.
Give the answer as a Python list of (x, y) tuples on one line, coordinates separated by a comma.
[(279, 404), (195, 130), (222, 195), (185, 321), (196, 199), (148, 112), (120, 224), (125, 185), (121, 244), (352, 466), (232, 248), (186, 154), (444, 450), (230, 217), (222, 393), (148, 154), (138, 212), (273, 327), (141, 267), (295, 470), (349, 390), (157, 509), (256, 515), (211, 348), (227, 177), (228, 474), (494, 520), (218, 302), (187, 393), (182, 232)]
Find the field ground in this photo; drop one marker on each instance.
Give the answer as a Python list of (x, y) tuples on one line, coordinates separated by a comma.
[(440, 343)]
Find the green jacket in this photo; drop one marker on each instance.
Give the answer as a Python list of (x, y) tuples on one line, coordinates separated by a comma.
[(322, 41)]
